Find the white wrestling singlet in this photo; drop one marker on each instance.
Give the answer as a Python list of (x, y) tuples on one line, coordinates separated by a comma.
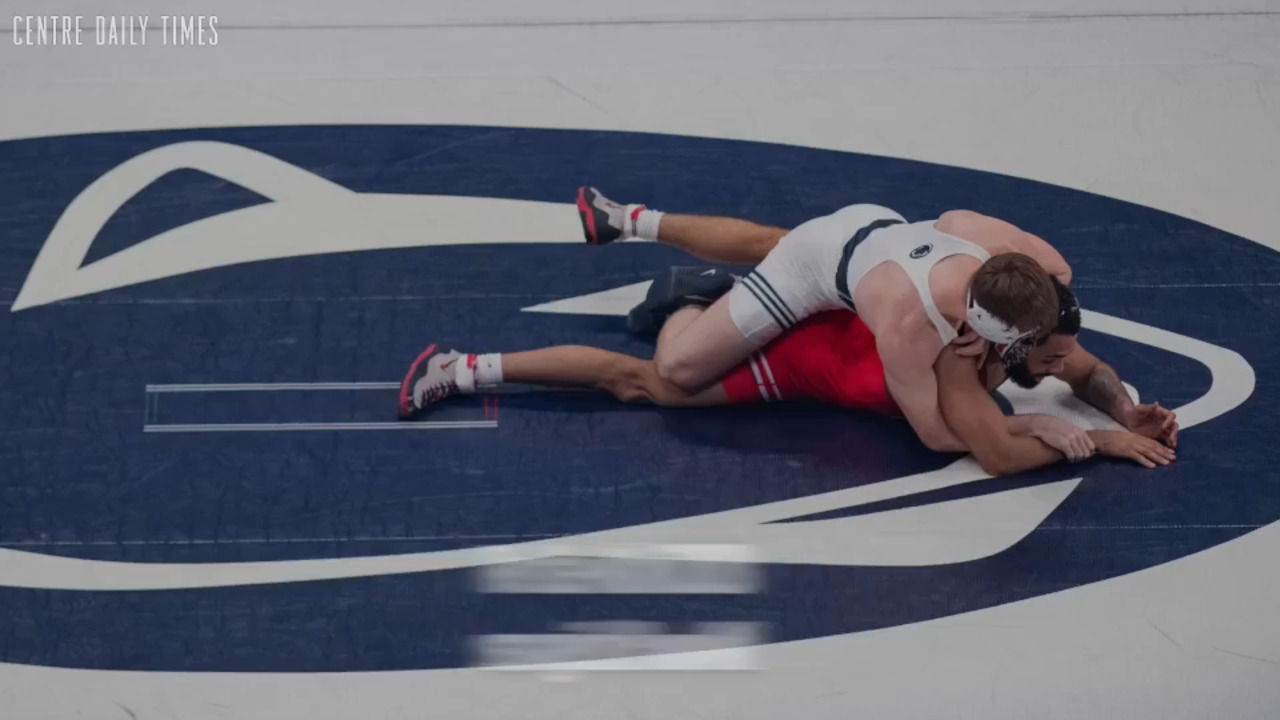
[(818, 266)]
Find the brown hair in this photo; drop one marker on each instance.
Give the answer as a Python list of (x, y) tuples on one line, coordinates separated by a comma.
[(1014, 288)]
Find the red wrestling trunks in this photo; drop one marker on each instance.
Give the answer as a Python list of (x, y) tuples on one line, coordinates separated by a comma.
[(830, 357)]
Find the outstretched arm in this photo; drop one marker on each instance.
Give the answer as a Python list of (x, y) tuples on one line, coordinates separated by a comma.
[(1098, 384), (973, 414), (978, 421)]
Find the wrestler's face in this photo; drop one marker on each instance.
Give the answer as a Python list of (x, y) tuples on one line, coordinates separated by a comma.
[(1044, 360)]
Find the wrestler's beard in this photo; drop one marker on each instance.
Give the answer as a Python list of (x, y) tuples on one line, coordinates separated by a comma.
[(1022, 376)]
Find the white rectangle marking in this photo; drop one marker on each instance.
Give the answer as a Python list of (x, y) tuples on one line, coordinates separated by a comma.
[(716, 646), (298, 427), (268, 387)]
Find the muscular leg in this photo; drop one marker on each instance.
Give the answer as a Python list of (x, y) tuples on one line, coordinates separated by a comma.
[(675, 325), (697, 347), (571, 366), (719, 239), (436, 375), (627, 378), (792, 280), (631, 379), (715, 239)]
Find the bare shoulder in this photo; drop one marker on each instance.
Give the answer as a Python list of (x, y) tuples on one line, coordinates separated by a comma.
[(903, 330), (998, 235), (972, 225)]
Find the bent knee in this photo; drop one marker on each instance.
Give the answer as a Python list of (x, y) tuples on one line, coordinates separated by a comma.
[(680, 372)]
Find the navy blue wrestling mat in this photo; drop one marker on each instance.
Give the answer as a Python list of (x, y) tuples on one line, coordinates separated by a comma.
[(201, 468)]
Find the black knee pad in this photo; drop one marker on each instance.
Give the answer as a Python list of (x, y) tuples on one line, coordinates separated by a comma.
[(677, 288)]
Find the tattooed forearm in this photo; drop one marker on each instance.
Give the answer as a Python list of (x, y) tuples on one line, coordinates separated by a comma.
[(1104, 391)]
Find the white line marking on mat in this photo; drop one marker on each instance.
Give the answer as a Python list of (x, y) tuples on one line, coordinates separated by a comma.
[(294, 427), (269, 387)]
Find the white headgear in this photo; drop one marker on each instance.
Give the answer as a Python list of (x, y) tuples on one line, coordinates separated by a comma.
[(1008, 339)]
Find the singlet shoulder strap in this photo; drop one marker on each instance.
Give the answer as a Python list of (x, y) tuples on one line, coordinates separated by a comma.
[(919, 262)]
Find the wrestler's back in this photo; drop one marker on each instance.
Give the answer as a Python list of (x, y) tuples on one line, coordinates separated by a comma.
[(889, 301)]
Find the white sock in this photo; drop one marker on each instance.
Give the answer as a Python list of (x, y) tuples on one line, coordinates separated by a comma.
[(642, 222), (488, 368)]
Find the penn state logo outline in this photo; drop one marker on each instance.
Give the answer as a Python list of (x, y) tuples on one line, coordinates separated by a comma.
[(921, 251)]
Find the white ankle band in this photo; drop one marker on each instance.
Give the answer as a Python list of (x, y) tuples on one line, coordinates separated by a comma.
[(647, 224), (488, 369)]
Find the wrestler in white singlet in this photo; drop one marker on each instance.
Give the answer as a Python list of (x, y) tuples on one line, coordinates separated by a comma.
[(818, 266)]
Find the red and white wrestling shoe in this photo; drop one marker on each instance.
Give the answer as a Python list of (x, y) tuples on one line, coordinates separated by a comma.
[(433, 377), (603, 220)]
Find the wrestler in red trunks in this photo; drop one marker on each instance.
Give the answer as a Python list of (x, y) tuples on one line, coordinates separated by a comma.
[(830, 357)]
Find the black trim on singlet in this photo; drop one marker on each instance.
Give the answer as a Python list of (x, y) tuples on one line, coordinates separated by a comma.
[(842, 270), (762, 289)]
